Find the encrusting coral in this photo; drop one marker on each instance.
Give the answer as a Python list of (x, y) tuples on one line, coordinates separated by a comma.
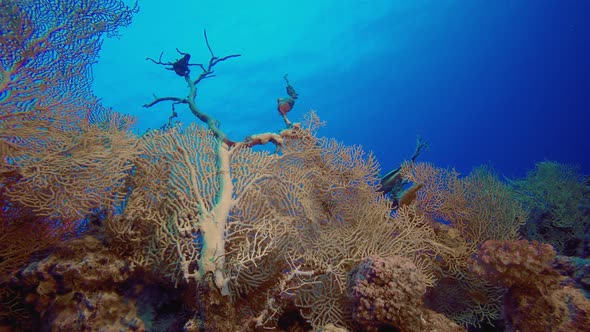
[(577, 269), (538, 298), (84, 286), (388, 293)]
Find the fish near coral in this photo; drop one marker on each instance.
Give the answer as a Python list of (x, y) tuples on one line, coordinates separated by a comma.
[(284, 105)]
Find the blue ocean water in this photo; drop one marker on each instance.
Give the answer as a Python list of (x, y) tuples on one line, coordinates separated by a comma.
[(504, 83)]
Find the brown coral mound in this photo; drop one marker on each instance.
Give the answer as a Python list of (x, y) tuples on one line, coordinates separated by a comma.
[(538, 299), (77, 289), (388, 292)]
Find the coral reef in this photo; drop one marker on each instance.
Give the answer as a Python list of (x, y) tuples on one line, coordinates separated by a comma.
[(577, 269), (464, 212), (62, 154), (388, 293), (187, 228), (84, 286), (558, 196), (538, 298)]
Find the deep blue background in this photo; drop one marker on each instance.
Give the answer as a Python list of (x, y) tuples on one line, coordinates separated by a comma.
[(505, 83)]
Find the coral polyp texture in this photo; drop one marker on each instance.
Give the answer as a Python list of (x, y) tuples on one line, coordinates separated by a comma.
[(388, 293), (538, 297)]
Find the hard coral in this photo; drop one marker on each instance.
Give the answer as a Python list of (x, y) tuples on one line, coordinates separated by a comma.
[(75, 288), (387, 292), (578, 269), (513, 263), (538, 298), (84, 286)]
